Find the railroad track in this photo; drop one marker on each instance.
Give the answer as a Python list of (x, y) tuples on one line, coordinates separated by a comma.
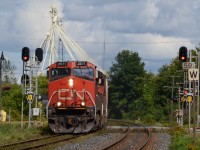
[(128, 139), (39, 142), (128, 142)]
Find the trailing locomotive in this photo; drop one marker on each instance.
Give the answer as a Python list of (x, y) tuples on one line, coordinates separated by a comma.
[(77, 97)]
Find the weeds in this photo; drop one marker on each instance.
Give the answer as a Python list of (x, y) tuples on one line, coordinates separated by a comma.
[(181, 140), (13, 132)]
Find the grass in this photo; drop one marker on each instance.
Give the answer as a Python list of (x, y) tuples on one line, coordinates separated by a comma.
[(181, 140), (10, 133)]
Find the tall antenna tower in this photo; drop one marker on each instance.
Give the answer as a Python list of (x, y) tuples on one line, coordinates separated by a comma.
[(73, 50)]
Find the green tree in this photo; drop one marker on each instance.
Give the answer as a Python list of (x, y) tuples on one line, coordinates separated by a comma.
[(125, 84), (42, 85), (12, 99), (146, 110)]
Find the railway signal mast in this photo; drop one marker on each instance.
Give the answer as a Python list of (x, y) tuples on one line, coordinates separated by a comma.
[(183, 59), (30, 89), (191, 84)]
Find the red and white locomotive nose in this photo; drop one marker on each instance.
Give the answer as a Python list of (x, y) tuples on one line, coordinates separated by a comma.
[(77, 98)]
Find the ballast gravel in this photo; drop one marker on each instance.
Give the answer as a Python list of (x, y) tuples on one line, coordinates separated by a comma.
[(159, 141), (95, 143)]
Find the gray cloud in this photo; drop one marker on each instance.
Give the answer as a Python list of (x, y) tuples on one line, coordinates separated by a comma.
[(153, 28)]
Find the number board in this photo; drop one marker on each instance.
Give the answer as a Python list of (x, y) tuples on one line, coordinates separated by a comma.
[(61, 63), (81, 63), (188, 65)]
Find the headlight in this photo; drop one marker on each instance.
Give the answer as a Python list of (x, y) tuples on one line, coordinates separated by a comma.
[(59, 104), (71, 82), (82, 103)]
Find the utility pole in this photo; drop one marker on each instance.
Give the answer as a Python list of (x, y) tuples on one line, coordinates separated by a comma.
[(194, 113), (197, 66), (172, 96), (104, 50), (1, 61), (198, 116)]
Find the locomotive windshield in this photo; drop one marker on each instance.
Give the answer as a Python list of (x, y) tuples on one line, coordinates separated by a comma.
[(86, 73), (57, 73)]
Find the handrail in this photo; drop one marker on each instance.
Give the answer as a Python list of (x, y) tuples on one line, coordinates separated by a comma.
[(49, 103)]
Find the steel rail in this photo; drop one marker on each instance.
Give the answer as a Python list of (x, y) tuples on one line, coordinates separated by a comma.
[(49, 143), (27, 141), (143, 145), (37, 145), (147, 140), (119, 141)]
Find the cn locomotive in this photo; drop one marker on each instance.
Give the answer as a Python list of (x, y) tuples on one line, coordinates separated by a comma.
[(77, 97)]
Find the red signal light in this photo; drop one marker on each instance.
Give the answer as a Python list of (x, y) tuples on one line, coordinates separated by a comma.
[(25, 58), (25, 54)]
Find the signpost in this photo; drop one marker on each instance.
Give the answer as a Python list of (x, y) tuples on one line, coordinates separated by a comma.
[(189, 99), (193, 75)]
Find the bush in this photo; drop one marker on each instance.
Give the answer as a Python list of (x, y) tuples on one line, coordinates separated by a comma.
[(183, 141)]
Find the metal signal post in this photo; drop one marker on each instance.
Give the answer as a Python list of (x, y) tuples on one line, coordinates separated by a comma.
[(193, 88), (29, 63)]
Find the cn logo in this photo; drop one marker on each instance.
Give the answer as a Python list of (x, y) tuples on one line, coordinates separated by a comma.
[(193, 74)]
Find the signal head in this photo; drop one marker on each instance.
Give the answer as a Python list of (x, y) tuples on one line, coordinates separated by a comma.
[(25, 54), (39, 54), (183, 54)]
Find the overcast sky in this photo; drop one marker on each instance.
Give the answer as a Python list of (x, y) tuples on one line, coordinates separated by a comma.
[(156, 29)]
